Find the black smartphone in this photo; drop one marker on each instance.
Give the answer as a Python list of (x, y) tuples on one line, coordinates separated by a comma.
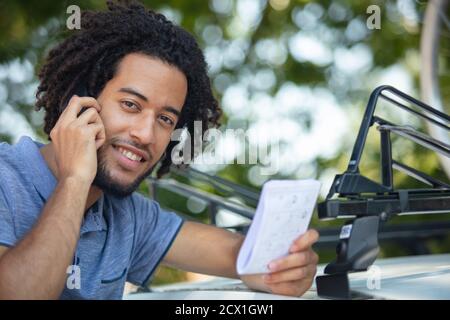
[(81, 91)]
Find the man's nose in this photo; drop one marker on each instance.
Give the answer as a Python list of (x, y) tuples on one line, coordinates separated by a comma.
[(143, 130)]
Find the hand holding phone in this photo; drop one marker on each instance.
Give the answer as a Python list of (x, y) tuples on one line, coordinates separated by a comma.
[(76, 137)]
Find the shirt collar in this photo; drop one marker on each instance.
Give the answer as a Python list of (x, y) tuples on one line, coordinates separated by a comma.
[(94, 219)]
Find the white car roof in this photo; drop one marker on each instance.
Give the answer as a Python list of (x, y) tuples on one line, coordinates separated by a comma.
[(413, 277)]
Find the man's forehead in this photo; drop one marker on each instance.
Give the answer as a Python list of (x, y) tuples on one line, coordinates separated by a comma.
[(151, 76), (139, 64)]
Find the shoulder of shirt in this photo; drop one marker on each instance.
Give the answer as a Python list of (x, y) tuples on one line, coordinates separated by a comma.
[(5, 150), (6, 159), (7, 169)]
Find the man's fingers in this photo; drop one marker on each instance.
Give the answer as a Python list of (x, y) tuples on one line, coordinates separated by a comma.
[(98, 131), (76, 104), (305, 241), (89, 116), (294, 274), (291, 288), (298, 259), (100, 137), (287, 275)]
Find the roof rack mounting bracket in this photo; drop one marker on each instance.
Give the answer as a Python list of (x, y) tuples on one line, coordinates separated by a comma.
[(357, 250)]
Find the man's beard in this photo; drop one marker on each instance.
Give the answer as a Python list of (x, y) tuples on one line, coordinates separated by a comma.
[(106, 182)]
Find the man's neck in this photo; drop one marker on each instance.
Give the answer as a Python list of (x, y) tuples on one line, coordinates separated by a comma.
[(48, 153)]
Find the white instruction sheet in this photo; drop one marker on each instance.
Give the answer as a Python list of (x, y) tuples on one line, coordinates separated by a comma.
[(283, 213)]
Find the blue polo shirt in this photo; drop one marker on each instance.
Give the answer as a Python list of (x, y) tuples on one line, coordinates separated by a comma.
[(121, 239)]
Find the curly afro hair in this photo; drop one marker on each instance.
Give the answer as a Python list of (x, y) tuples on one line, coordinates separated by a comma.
[(91, 56)]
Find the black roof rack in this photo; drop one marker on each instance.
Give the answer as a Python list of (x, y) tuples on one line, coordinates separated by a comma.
[(369, 202)]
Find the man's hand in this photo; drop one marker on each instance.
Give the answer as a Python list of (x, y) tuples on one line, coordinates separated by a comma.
[(293, 274), (76, 139)]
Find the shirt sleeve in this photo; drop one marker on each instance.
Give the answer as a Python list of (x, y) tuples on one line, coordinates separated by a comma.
[(156, 230), (7, 234)]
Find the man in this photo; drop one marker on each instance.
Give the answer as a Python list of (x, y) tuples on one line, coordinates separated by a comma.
[(70, 207)]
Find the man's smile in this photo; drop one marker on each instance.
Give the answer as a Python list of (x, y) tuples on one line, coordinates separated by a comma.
[(130, 158)]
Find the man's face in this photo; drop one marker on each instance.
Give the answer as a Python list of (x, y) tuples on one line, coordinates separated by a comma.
[(140, 109)]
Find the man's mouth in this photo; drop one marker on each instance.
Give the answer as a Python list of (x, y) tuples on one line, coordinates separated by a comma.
[(130, 158), (130, 155)]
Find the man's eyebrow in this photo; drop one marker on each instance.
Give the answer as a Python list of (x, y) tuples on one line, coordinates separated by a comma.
[(134, 92), (172, 110), (142, 97)]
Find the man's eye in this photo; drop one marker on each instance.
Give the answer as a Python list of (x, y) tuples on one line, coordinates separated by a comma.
[(130, 105), (167, 120)]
